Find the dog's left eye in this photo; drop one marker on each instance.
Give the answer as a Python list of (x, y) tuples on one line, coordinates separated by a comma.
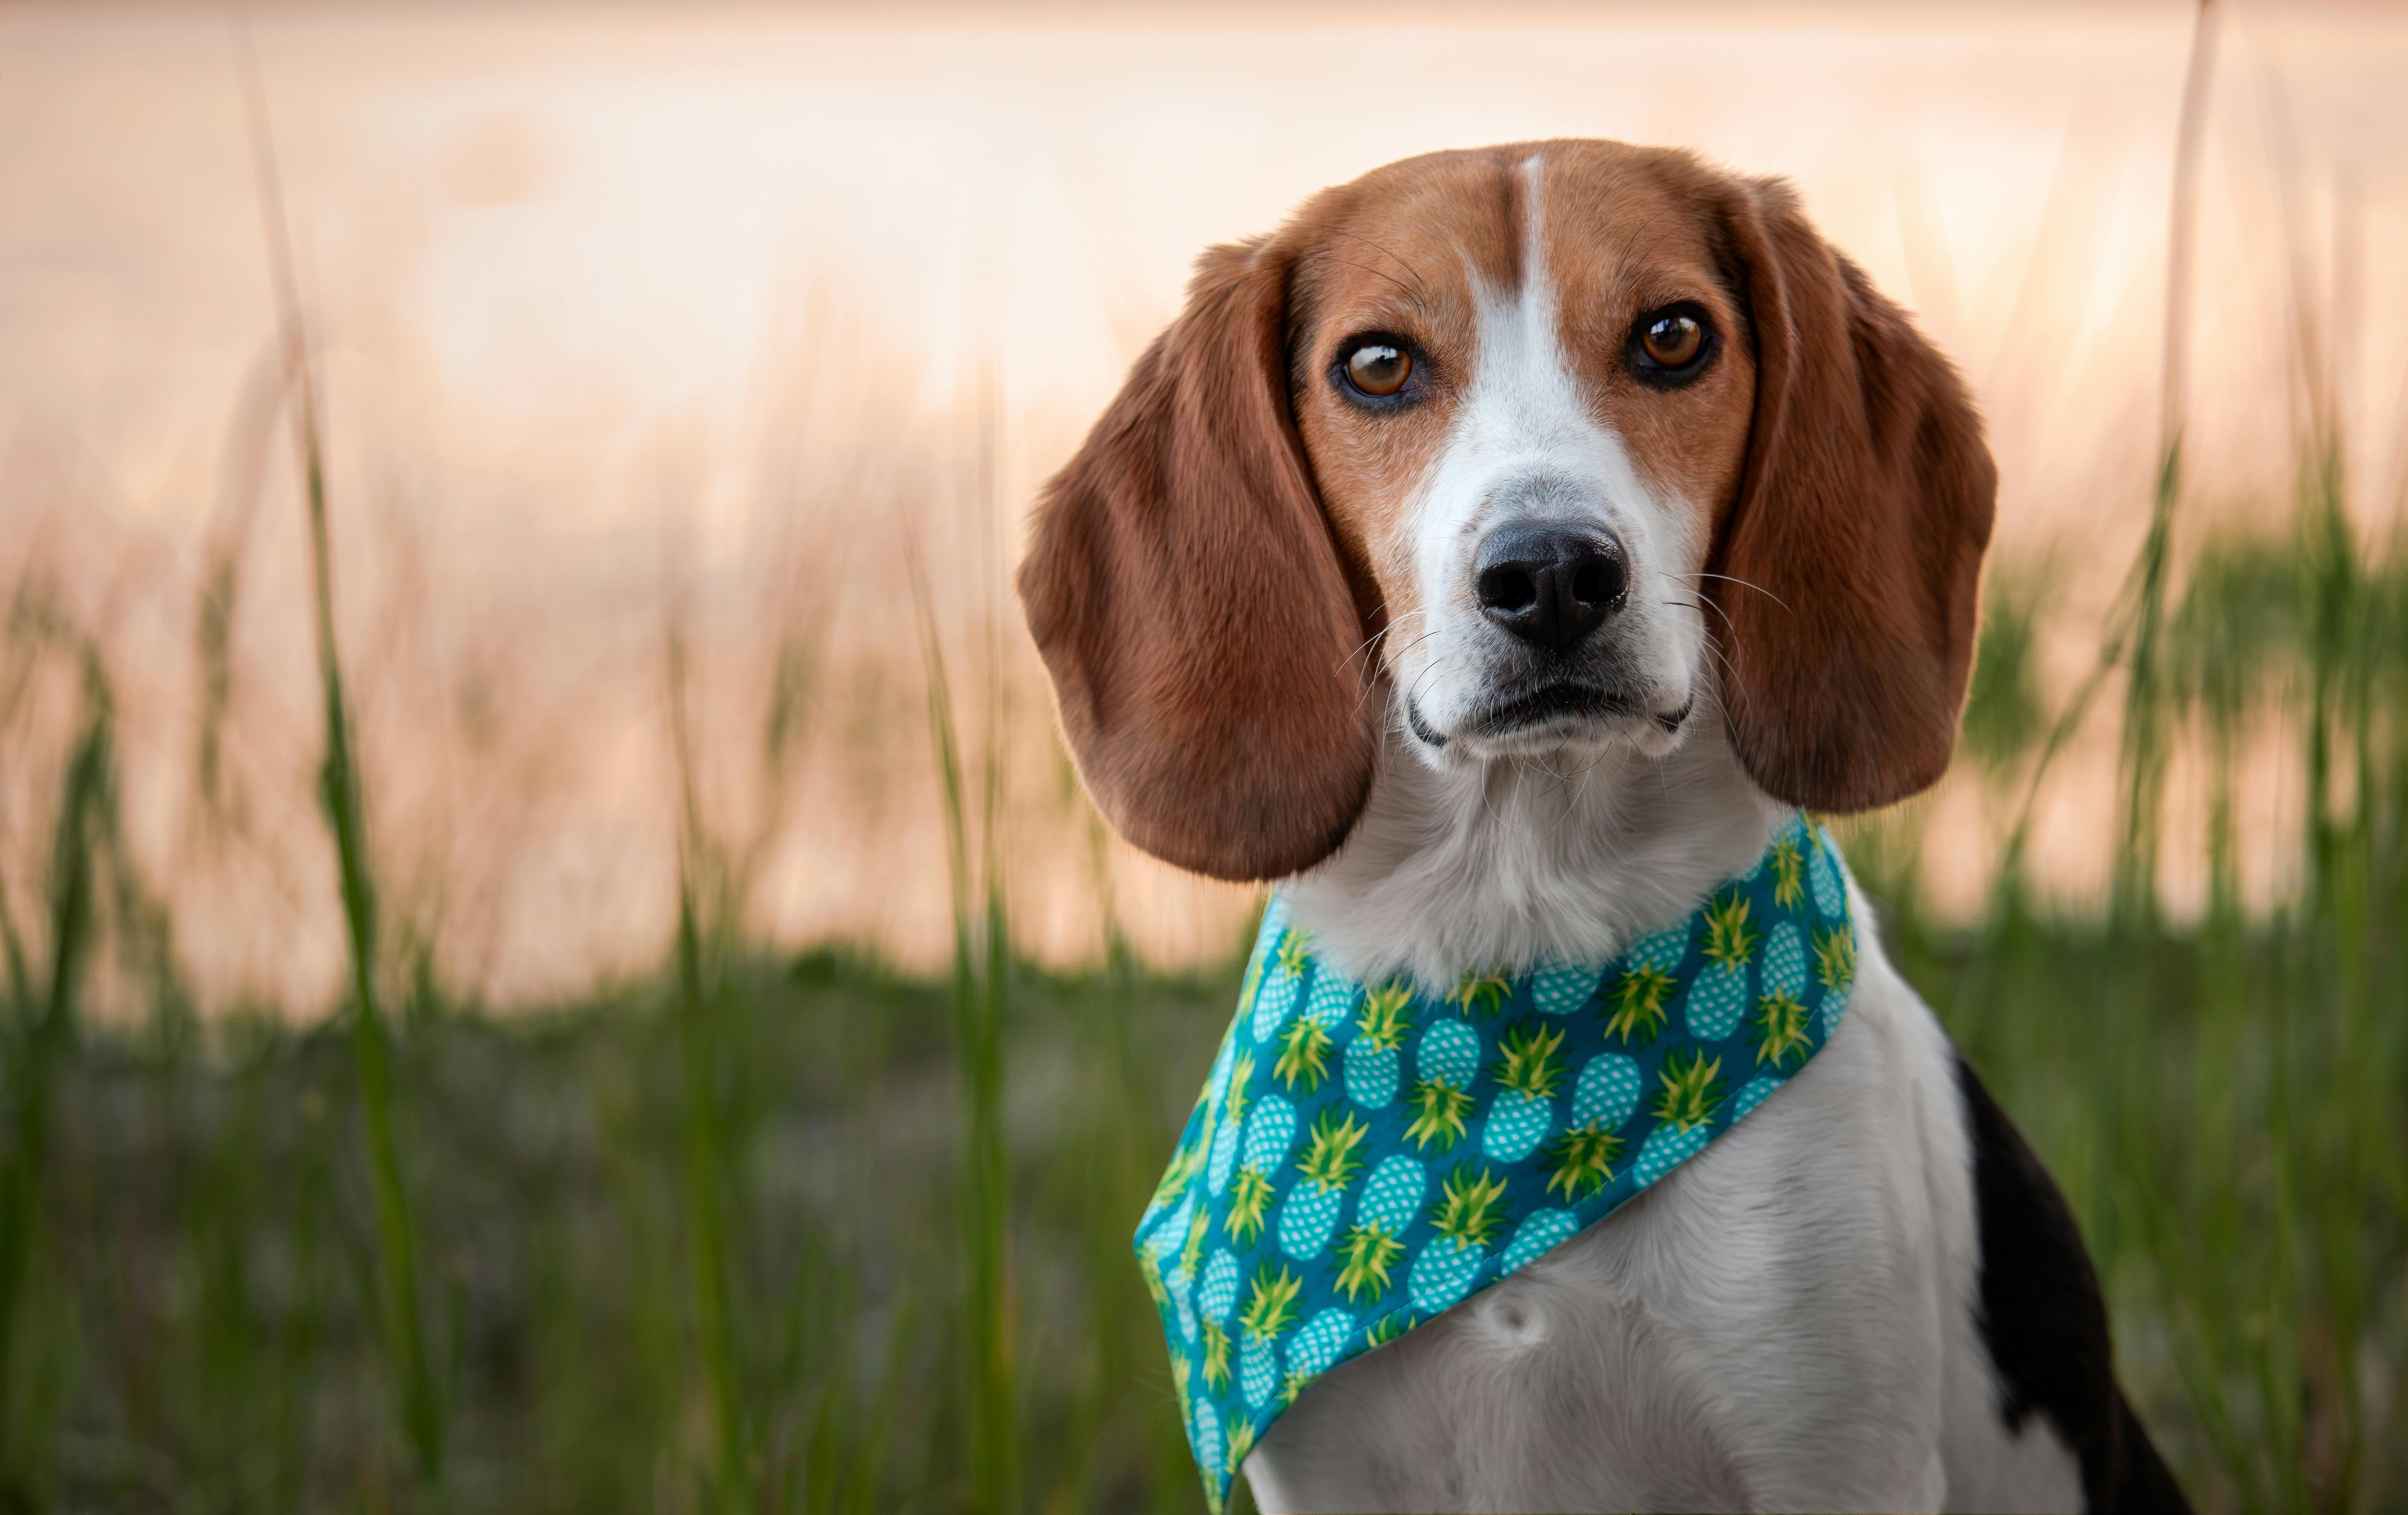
[(1379, 368)]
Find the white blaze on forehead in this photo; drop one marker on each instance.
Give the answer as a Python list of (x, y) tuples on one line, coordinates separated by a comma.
[(1526, 438)]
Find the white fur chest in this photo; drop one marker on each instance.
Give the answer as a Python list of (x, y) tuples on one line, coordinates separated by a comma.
[(1508, 864)]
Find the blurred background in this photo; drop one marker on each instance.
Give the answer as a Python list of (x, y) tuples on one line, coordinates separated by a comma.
[(552, 957)]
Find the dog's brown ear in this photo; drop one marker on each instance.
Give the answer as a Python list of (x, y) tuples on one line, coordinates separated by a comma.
[(1190, 601), (1854, 548)]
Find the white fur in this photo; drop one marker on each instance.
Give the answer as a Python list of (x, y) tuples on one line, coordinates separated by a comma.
[(1786, 1320), (1519, 859), (1526, 443)]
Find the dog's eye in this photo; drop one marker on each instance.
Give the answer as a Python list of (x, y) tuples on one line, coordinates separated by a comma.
[(1671, 341), (1378, 369), (1671, 345)]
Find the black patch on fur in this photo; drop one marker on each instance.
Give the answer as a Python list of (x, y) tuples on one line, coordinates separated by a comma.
[(2043, 1321)]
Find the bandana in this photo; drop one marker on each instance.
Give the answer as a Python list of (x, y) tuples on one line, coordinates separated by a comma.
[(1364, 1157)]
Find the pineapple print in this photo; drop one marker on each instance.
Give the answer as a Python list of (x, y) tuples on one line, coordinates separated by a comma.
[(1584, 1162), (1522, 1115), (1373, 1057), (1179, 1368), (1216, 1294), (1602, 1101), (1468, 1212), (1560, 991), (1170, 1232), (1192, 1252), (1152, 1270), (1826, 879), (1637, 1000), (1387, 1328), (1480, 995), (1182, 1277), (1304, 1055), (1282, 981), (1835, 965), (1447, 1062), (1693, 1087), (1179, 1307), (1371, 1247), (1636, 996), (1543, 1233), (1304, 1044), (1717, 999), (1667, 1148), (1310, 1212), (1789, 871), (1835, 959), (1232, 1128), (1269, 1130), (1242, 1441), (1729, 939), (1295, 955), (1331, 998), (1315, 1349), (1661, 949), (1204, 1435), (1606, 1093), (1270, 1310), (1216, 1356), (1751, 1094), (1785, 962), (1781, 1035), (1781, 1021), (1718, 996)]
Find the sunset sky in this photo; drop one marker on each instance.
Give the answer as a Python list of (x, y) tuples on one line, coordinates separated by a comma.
[(545, 249)]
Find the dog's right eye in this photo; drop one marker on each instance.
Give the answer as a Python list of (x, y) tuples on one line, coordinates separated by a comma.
[(1378, 368)]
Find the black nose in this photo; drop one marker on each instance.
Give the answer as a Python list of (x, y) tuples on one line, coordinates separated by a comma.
[(1549, 585)]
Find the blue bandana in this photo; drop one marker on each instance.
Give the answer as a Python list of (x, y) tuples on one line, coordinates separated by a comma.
[(1364, 1157)]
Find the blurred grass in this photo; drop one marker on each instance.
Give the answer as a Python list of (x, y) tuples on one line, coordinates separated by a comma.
[(782, 1234), (396, 1285)]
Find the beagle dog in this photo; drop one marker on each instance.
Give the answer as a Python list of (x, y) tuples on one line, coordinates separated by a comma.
[(1498, 554)]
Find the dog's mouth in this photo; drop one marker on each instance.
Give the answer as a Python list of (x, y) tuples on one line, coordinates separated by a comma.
[(1559, 704)]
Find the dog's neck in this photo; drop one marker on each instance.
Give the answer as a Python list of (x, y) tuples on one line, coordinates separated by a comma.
[(1514, 863)]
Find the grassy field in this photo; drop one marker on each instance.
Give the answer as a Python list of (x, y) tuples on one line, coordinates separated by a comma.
[(796, 1233)]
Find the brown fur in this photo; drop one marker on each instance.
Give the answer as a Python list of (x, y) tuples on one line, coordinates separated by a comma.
[(1205, 571), (1860, 524), (1187, 595)]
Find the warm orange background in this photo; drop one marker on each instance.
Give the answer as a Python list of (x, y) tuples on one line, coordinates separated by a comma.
[(635, 318)]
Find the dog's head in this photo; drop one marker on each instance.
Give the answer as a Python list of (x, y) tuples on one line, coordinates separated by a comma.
[(1555, 445)]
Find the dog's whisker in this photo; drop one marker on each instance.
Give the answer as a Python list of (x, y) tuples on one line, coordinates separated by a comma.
[(1734, 579), (1387, 251)]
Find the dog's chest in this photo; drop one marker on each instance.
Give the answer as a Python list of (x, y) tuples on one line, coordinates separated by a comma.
[(1768, 1324)]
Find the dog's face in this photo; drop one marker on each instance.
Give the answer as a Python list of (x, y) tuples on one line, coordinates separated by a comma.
[(1559, 445), (1524, 406)]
